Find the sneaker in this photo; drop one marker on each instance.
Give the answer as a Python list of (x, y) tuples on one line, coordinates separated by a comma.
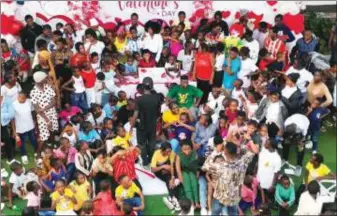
[(323, 129), (176, 204), (2, 206), (308, 145), (168, 202), (203, 211), (12, 161), (314, 152), (328, 123), (279, 146), (298, 170), (24, 159), (284, 162)]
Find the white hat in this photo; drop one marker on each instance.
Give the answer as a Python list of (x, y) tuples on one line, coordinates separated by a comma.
[(93, 22), (39, 76)]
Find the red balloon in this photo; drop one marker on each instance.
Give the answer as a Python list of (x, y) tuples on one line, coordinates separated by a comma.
[(9, 25), (16, 27)]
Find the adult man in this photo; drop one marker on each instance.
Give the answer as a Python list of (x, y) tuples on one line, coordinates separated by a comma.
[(296, 129), (182, 19), (308, 43), (273, 44), (147, 112), (134, 23), (29, 34), (252, 44), (46, 35), (218, 20), (284, 33), (261, 33), (186, 95), (231, 172)]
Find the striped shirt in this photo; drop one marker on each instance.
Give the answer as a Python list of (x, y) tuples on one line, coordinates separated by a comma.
[(274, 47)]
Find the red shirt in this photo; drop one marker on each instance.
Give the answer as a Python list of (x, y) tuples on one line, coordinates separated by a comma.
[(231, 115), (275, 47), (203, 65), (125, 166), (105, 205), (263, 64), (144, 64), (89, 78)]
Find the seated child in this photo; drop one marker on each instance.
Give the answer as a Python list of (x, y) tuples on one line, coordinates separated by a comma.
[(172, 67), (186, 207), (284, 195), (110, 108), (122, 99), (81, 189), (131, 67), (87, 208), (125, 193), (108, 129), (103, 202), (123, 138), (70, 133), (57, 172), (94, 60), (33, 195), (16, 183), (63, 199)]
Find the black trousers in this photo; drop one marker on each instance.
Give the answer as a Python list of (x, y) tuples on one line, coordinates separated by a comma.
[(283, 211), (206, 88), (166, 177), (218, 78), (147, 142), (9, 142)]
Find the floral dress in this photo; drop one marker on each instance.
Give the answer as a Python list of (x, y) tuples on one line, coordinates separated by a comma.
[(43, 98)]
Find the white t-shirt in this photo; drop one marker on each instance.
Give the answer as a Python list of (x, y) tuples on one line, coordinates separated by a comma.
[(252, 107), (72, 138), (218, 101), (154, 44), (96, 67), (288, 91), (305, 77), (272, 113), (78, 84), (269, 163), (23, 116), (186, 60), (247, 66), (260, 37), (236, 95), (219, 60), (97, 47), (254, 48), (11, 93), (302, 122), (308, 205), (17, 181)]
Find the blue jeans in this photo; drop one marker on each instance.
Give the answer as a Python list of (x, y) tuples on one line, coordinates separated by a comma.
[(71, 169), (105, 98), (46, 213), (219, 208), (32, 140), (175, 145), (203, 191), (202, 150), (79, 100), (134, 202), (314, 139)]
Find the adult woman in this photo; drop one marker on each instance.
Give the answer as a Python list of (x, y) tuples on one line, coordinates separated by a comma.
[(24, 124), (291, 94), (152, 39), (80, 55), (7, 114), (187, 166), (83, 159), (162, 165), (43, 98), (309, 204), (203, 71), (11, 88), (93, 44), (204, 130), (318, 89)]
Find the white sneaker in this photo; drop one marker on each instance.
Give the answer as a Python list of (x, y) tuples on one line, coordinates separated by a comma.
[(4, 173), (284, 162), (12, 161), (203, 211), (314, 152), (209, 212), (308, 145), (2, 206), (298, 170), (176, 204), (168, 203), (280, 146), (24, 159)]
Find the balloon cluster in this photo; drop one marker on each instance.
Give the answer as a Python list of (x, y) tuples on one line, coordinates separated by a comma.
[(9, 25)]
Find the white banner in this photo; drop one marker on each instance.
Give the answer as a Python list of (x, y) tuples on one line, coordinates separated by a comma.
[(158, 75)]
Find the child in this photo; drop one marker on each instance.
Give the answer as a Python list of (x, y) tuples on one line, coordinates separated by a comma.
[(108, 130), (165, 53), (94, 61), (127, 126), (33, 195), (127, 210), (249, 195), (103, 202), (122, 99), (89, 77), (186, 207), (123, 138), (140, 91), (172, 67), (211, 179), (70, 133), (238, 128), (76, 86), (81, 189), (57, 172), (223, 127), (284, 195), (108, 83), (16, 182), (110, 108), (96, 116), (232, 110), (147, 61), (63, 199), (263, 133), (315, 114), (250, 105), (133, 45), (238, 92), (264, 59), (98, 88), (67, 112), (174, 44), (131, 67), (87, 208), (125, 193)]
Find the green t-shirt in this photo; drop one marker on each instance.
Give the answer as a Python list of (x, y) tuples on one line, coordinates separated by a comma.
[(185, 96)]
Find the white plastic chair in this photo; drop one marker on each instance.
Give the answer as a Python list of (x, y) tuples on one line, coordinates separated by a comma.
[(328, 190)]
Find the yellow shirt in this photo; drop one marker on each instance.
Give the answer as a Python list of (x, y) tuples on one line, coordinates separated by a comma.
[(321, 171), (121, 103), (159, 159), (127, 193), (169, 117), (64, 204), (122, 141), (121, 45), (81, 193)]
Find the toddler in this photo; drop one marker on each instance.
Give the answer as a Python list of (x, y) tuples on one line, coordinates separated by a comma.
[(172, 67), (63, 199), (123, 138), (103, 202), (81, 189), (16, 183), (122, 99), (131, 67)]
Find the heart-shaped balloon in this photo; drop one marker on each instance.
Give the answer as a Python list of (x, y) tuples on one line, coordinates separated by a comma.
[(272, 3), (225, 14)]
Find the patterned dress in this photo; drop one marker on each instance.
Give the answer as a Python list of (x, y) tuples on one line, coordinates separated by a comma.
[(43, 98)]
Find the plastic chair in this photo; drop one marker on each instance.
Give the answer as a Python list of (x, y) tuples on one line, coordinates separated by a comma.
[(328, 190)]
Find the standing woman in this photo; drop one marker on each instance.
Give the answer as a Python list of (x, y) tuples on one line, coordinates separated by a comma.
[(11, 88), (43, 98), (219, 60), (152, 39), (203, 71), (7, 115)]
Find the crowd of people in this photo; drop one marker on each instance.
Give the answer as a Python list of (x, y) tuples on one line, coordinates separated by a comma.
[(218, 139)]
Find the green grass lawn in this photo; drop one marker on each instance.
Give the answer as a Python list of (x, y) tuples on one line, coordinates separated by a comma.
[(154, 204)]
